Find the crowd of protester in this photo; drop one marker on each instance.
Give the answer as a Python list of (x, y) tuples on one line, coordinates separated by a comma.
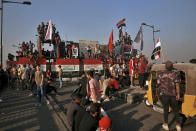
[(85, 106), (94, 88), (42, 29), (28, 77), (26, 49), (125, 39)]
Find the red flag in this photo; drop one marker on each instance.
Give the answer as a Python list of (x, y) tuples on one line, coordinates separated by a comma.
[(110, 43)]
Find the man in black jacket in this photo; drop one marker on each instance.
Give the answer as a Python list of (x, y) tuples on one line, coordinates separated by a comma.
[(72, 109), (90, 120), (85, 103)]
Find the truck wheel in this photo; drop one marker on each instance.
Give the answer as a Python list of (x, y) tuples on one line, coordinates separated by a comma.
[(147, 103)]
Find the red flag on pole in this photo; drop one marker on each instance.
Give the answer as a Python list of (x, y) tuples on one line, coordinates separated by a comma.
[(110, 43)]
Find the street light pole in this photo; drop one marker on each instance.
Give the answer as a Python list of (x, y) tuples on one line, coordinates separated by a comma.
[(153, 35), (1, 33), (153, 31), (5, 1)]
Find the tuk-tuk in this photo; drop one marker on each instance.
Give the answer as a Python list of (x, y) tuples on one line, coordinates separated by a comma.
[(187, 102)]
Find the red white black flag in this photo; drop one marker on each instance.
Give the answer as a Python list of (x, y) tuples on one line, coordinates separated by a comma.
[(156, 54), (121, 23), (49, 31)]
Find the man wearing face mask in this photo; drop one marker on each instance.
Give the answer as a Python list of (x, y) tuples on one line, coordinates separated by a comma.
[(168, 82)]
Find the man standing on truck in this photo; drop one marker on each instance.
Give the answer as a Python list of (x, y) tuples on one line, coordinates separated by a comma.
[(168, 82)]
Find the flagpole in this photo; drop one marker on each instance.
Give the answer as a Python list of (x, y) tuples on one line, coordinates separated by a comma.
[(163, 59)]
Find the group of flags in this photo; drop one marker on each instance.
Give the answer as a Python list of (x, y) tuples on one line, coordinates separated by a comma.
[(138, 39)]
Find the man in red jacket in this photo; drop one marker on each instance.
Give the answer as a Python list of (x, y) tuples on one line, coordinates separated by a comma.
[(111, 85), (132, 70), (141, 70)]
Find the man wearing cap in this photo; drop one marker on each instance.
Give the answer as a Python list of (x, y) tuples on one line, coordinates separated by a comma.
[(168, 82)]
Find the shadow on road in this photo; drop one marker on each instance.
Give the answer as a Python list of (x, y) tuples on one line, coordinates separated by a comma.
[(121, 114), (18, 112)]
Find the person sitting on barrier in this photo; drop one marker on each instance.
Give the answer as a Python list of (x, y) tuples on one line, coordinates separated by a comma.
[(48, 74), (85, 103), (72, 108), (90, 120), (50, 88), (110, 85)]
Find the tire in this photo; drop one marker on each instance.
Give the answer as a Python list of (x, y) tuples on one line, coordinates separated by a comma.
[(147, 103)]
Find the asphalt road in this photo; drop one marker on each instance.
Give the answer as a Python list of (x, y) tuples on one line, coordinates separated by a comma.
[(18, 112)]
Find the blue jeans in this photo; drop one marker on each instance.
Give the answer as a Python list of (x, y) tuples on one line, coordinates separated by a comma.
[(60, 81), (41, 91)]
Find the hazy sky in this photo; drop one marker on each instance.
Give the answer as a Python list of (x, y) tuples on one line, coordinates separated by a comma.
[(94, 19)]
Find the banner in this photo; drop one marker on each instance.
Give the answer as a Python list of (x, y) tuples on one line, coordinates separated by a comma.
[(75, 52)]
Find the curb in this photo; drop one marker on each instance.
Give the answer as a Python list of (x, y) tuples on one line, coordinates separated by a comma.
[(132, 97)]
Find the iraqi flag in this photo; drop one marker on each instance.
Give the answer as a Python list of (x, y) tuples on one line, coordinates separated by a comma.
[(110, 43), (139, 38), (121, 23), (49, 31), (156, 54)]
